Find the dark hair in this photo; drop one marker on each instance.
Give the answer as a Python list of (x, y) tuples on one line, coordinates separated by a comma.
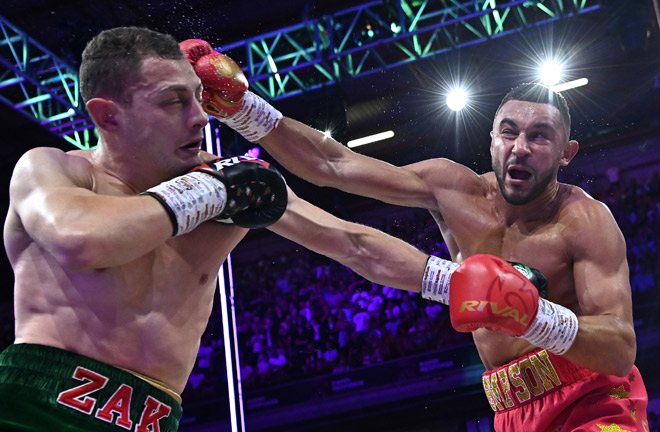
[(538, 93), (111, 61)]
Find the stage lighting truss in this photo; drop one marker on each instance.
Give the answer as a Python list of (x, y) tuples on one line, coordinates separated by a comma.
[(358, 41), (380, 35), (41, 86)]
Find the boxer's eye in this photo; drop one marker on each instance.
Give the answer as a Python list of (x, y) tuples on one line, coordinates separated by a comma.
[(508, 133)]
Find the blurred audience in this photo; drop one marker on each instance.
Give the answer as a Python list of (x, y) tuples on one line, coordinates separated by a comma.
[(300, 314)]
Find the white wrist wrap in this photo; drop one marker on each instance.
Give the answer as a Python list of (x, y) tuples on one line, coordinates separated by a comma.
[(255, 119), (190, 199), (435, 283), (554, 328)]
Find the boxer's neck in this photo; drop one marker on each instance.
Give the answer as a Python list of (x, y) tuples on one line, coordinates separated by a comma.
[(542, 208)]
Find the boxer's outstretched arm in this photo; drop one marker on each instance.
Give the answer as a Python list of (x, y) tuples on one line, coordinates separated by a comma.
[(377, 256), (307, 152), (321, 160)]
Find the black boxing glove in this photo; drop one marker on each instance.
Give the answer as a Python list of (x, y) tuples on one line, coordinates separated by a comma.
[(256, 191), (535, 276), (246, 191)]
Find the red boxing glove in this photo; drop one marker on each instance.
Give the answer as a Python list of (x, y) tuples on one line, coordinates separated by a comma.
[(216, 103), (221, 73), (486, 291), (223, 80), (194, 49), (226, 96)]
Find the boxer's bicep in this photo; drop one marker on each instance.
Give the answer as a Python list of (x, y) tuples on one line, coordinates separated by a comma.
[(606, 337), (53, 199), (600, 267), (42, 187)]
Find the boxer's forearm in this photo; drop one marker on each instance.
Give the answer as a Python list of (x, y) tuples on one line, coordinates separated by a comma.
[(377, 256), (51, 194), (94, 231), (323, 161), (307, 152), (385, 260), (604, 343)]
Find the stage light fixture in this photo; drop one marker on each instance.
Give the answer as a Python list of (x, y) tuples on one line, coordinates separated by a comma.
[(369, 139), (457, 99), (570, 85), (550, 72)]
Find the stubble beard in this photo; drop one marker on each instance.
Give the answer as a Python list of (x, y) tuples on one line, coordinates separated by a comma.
[(520, 198)]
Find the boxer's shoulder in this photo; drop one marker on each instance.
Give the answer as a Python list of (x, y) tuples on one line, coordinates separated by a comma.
[(577, 206)]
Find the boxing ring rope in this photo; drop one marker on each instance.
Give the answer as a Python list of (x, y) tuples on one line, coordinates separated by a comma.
[(228, 311)]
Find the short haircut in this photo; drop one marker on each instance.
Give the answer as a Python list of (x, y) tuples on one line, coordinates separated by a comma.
[(538, 93), (112, 60)]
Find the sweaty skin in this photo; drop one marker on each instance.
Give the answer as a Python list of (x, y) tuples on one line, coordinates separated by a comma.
[(556, 228), (97, 271), (150, 305)]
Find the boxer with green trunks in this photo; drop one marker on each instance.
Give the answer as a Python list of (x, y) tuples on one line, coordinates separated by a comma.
[(48, 389), (115, 250)]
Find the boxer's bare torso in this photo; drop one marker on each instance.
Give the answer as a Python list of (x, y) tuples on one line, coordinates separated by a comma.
[(542, 240), (527, 217), (145, 315)]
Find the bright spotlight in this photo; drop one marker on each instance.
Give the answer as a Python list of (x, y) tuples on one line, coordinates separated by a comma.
[(456, 99), (550, 73), (327, 134)]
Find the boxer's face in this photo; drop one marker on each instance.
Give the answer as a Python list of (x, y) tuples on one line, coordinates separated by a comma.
[(165, 122), (526, 148)]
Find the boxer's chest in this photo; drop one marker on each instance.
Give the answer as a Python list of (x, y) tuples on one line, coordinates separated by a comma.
[(544, 245)]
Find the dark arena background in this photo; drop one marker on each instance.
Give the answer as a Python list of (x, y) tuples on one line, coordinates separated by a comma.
[(316, 347)]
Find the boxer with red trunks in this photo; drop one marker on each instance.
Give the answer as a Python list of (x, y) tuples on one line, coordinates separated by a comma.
[(519, 212), (542, 391)]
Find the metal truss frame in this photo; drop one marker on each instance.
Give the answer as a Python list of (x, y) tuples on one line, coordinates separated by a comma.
[(358, 41), (382, 34), (41, 86)]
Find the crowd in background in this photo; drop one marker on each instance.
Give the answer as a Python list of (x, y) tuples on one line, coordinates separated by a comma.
[(300, 314), (635, 203)]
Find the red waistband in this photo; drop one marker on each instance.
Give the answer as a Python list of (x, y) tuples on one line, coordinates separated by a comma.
[(529, 378)]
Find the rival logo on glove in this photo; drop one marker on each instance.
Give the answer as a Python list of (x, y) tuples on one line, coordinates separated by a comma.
[(231, 161), (505, 312)]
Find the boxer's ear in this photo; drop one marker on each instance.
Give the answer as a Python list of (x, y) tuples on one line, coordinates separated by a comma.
[(103, 113), (569, 152)]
